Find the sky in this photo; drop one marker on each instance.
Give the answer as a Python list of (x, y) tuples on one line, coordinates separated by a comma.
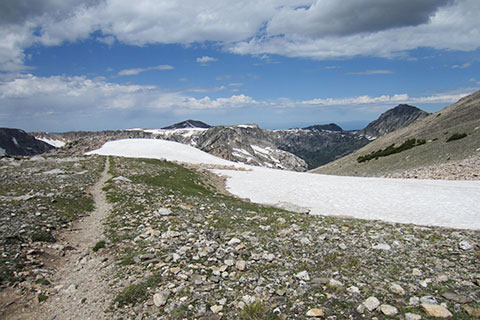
[(117, 64)]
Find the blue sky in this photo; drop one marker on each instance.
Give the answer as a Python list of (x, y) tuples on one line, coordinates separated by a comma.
[(113, 64)]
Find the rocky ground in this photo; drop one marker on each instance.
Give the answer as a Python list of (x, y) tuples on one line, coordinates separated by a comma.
[(177, 248), (467, 169)]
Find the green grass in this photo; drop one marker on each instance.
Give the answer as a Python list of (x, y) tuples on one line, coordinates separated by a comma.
[(456, 136), (137, 293), (99, 245), (71, 208), (257, 311), (42, 236)]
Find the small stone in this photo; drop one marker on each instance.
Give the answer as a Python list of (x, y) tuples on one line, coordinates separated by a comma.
[(381, 246), (268, 256), (240, 265), (388, 310), (442, 278), (160, 298), (396, 288), (342, 246), (371, 303), (175, 270), (316, 312), (435, 310), (465, 245), (303, 275), (163, 212), (281, 220), (335, 283), (234, 241), (473, 312), (305, 241), (216, 308), (416, 272), (353, 290), (456, 297), (414, 301), (412, 316), (428, 300), (229, 262), (71, 288)]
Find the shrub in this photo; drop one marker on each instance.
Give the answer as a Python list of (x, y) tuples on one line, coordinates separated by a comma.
[(99, 245), (391, 149), (456, 136), (257, 311), (43, 236)]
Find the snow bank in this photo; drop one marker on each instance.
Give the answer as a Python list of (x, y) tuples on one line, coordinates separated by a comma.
[(425, 202), (160, 149), (52, 142)]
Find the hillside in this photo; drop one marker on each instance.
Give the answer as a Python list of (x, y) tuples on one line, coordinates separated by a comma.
[(463, 117), (393, 119), (16, 142)]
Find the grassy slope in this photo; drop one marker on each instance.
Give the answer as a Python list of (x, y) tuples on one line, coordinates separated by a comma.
[(461, 117)]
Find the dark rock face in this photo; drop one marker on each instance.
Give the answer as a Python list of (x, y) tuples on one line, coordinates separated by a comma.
[(324, 127), (318, 147), (16, 142), (393, 119), (188, 124)]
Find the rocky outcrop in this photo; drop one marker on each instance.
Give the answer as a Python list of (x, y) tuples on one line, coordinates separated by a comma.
[(188, 124), (16, 142), (393, 119)]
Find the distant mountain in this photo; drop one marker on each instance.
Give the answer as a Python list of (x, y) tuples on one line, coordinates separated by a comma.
[(451, 134), (16, 142), (325, 127), (187, 125), (393, 119)]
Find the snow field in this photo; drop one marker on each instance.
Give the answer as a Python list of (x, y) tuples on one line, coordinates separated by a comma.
[(425, 202)]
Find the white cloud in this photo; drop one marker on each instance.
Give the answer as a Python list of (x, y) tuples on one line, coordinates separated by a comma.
[(461, 66), (206, 59), (135, 71), (371, 72), (296, 28)]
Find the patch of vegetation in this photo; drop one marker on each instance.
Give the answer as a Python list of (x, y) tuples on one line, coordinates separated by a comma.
[(42, 297), (456, 136), (99, 245), (43, 281), (257, 311), (136, 293), (42, 236), (72, 207), (391, 149)]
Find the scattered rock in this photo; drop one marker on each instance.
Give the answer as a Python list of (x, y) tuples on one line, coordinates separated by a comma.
[(160, 298), (473, 312), (465, 245), (371, 303), (388, 310), (316, 312), (396, 288), (216, 308), (456, 297), (303, 275), (122, 179), (381, 246), (412, 316), (435, 310)]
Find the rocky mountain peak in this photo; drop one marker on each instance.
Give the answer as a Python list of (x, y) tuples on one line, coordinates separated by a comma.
[(187, 124), (393, 119), (16, 142), (324, 127)]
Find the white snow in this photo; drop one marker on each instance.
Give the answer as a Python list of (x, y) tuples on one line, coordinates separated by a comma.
[(15, 141), (2, 152), (52, 142), (424, 202), (160, 149)]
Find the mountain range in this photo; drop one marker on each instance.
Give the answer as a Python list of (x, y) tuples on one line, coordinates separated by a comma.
[(325, 148)]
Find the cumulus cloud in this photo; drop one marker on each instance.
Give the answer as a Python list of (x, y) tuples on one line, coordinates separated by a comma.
[(317, 29), (331, 17), (206, 59), (135, 71), (371, 72), (461, 66)]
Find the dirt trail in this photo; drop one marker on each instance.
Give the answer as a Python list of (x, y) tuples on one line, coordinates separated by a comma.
[(81, 289)]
